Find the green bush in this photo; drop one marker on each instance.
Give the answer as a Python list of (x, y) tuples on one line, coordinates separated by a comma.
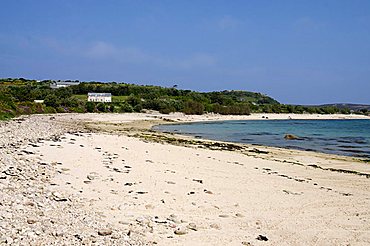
[(126, 108), (90, 107), (101, 107), (193, 107)]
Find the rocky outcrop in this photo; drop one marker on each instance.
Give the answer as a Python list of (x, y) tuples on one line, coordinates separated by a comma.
[(291, 137)]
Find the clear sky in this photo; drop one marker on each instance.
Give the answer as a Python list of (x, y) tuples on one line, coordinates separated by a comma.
[(297, 51)]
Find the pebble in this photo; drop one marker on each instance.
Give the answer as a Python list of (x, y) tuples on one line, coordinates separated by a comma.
[(180, 231), (31, 220), (192, 226), (105, 232), (223, 216), (30, 196), (215, 226), (262, 238)]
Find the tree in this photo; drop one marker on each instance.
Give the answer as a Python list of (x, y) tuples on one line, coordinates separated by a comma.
[(51, 100)]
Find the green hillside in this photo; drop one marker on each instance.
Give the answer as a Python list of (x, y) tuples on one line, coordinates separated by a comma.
[(17, 97)]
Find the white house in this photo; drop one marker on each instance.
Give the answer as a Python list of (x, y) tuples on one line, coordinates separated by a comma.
[(99, 97), (60, 84)]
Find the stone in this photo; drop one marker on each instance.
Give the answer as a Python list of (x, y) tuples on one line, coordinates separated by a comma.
[(246, 243), (58, 233), (291, 137), (59, 197), (90, 177), (192, 226), (180, 231), (262, 238), (31, 220), (215, 226), (105, 232), (198, 180)]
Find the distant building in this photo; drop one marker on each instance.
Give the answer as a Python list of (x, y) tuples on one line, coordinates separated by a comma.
[(60, 84), (99, 97)]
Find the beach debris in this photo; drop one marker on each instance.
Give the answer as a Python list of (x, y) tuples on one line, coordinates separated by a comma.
[(239, 215), (292, 193), (262, 238), (117, 170), (258, 151), (208, 192)]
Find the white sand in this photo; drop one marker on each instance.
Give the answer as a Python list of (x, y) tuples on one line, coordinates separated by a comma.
[(239, 197)]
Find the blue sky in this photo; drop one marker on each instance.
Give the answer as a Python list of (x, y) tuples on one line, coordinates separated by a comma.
[(299, 52)]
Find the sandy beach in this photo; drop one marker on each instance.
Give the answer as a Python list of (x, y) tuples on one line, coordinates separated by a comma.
[(107, 179)]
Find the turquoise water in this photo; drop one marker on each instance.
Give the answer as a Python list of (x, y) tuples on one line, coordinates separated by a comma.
[(343, 137)]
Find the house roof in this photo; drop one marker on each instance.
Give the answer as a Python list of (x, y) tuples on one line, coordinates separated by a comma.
[(93, 94)]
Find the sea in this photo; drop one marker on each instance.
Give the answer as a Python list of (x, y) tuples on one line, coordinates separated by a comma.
[(341, 137)]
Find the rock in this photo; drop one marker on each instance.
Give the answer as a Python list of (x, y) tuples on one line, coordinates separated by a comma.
[(180, 231), (31, 220), (90, 177), (105, 232), (223, 216), (246, 243), (262, 238), (58, 233), (215, 226), (291, 137), (192, 226), (174, 219), (239, 215), (198, 180), (59, 197)]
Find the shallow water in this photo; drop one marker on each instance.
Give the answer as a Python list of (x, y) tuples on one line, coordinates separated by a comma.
[(343, 137)]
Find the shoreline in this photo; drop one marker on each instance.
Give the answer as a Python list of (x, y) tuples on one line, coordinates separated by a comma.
[(157, 128), (111, 180)]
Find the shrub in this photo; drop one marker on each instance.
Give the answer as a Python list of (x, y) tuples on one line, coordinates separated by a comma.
[(90, 107), (125, 107)]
